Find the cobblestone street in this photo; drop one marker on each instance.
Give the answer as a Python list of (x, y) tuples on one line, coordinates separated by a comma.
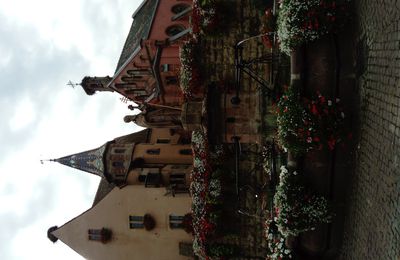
[(372, 219)]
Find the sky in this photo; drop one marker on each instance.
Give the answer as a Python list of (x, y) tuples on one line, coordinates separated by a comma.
[(44, 44)]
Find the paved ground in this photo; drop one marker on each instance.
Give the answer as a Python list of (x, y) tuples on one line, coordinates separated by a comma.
[(372, 220)]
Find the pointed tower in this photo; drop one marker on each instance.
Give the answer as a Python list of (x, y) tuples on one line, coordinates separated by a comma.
[(91, 161), (111, 161), (93, 84)]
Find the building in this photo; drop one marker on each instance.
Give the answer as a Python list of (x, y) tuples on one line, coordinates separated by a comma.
[(148, 68), (142, 204), (142, 201)]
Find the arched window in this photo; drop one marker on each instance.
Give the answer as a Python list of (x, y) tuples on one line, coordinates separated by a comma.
[(179, 8), (174, 30)]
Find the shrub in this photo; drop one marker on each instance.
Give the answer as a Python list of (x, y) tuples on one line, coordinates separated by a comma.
[(302, 21), (306, 124), (297, 208)]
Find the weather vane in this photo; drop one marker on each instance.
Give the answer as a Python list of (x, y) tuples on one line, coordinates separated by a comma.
[(72, 84)]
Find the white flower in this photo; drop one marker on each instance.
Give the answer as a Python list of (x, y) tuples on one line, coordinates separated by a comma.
[(342, 114), (329, 103), (295, 173), (337, 100), (309, 140)]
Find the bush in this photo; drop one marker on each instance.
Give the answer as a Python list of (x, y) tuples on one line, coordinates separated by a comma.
[(305, 124), (302, 21), (297, 208)]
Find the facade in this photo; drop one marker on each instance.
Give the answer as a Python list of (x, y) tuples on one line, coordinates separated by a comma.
[(148, 68), (145, 178), (142, 204), (116, 228)]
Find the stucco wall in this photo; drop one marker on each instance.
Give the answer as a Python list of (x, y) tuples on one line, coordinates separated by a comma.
[(113, 213)]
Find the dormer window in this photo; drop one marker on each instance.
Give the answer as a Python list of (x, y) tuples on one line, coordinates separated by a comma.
[(102, 235)]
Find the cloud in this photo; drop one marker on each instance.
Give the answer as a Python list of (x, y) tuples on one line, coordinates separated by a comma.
[(45, 44)]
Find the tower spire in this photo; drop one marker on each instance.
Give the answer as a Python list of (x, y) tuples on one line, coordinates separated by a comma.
[(91, 161)]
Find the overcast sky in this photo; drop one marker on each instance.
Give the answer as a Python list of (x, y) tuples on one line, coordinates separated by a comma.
[(44, 44)]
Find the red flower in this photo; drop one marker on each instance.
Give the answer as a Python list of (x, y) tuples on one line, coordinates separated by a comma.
[(316, 139), (331, 143), (314, 110), (322, 99)]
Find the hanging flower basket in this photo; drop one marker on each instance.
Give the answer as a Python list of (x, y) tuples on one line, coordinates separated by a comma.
[(149, 222)]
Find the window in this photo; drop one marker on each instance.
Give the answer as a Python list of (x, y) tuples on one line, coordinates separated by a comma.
[(163, 141), (118, 150), (185, 151), (103, 235), (171, 80), (176, 9), (118, 164), (153, 180), (175, 221), (153, 151), (164, 67), (174, 30), (125, 85), (177, 178), (142, 178), (136, 222), (139, 71)]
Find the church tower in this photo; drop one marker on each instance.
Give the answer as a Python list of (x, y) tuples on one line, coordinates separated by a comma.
[(93, 84), (151, 158)]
